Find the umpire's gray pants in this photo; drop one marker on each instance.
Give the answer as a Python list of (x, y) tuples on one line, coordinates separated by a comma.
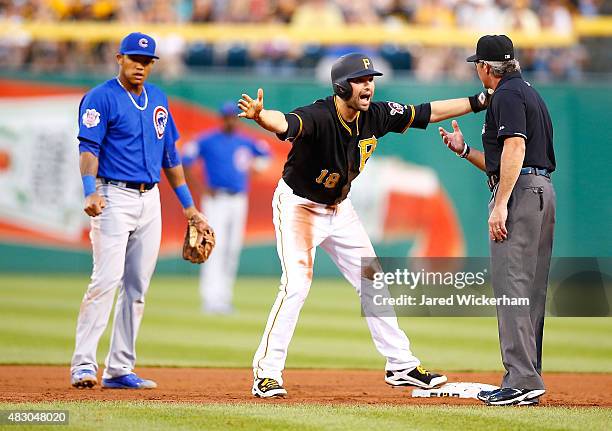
[(519, 269)]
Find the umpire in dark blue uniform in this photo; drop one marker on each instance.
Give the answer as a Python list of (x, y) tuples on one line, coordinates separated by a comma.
[(518, 158)]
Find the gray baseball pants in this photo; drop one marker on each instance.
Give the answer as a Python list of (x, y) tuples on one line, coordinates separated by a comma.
[(519, 269), (125, 240)]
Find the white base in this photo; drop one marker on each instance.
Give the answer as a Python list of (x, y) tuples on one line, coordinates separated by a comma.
[(454, 390)]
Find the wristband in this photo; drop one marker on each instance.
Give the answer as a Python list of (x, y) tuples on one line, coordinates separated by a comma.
[(465, 152), (477, 102), (89, 184), (184, 195)]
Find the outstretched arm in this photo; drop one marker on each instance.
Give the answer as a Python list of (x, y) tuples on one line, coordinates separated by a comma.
[(273, 121), (455, 142), (445, 109)]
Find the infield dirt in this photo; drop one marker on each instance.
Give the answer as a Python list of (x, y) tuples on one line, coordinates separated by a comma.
[(213, 385)]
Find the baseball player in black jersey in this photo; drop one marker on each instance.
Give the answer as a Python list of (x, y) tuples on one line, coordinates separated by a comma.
[(332, 140)]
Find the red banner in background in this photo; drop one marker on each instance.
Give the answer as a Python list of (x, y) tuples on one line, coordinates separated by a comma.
[(192, 120), (396, 200)]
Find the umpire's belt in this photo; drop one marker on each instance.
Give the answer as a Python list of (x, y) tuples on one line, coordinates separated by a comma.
[(494, 178), (141, 187)]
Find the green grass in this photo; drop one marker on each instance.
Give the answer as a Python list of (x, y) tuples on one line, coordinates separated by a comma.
[(38, 315), (160, 416)]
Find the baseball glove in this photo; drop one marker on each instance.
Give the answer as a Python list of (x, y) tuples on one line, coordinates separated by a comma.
[(199, 241)]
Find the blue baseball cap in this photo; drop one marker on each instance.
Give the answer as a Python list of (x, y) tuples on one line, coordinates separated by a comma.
[(229, 108), (138, 44)]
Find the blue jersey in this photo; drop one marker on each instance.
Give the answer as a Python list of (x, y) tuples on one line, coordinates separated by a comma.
[(227, 158), (131, 144)]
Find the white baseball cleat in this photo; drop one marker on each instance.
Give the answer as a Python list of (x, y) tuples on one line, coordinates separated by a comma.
[(84, 379), (417, 376), (268, 388)]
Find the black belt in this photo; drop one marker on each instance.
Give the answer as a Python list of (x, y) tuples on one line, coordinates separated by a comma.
[(494, 178), (141, 187)]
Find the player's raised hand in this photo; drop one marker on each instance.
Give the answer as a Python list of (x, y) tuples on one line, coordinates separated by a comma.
[(94, 204), (250, 107), (454, 141)]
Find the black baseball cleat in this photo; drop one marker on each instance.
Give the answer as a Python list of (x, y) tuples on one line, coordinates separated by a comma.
[(484, 395), (512, 396), (417, 376), (267, 388)]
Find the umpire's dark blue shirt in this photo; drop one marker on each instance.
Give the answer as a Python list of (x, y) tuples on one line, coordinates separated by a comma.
[(516, 109)]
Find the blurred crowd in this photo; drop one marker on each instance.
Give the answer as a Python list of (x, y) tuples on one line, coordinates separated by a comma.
[(281, 56)]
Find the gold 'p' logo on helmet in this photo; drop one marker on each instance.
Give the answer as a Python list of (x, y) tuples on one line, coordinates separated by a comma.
[(366, 62)]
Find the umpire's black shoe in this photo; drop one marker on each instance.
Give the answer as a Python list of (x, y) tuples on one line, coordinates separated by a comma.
[(417, 376), (267, 388), (511, 396), (484, 395)]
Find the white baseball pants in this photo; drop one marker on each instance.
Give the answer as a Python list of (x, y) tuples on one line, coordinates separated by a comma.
[(301, 225), (125, 240), (227, 215)]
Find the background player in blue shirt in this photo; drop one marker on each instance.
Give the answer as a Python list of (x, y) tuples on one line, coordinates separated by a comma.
[(126, 135), (228, 158)]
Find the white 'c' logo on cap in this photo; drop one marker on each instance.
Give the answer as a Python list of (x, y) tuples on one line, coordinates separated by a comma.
[(143, 42)]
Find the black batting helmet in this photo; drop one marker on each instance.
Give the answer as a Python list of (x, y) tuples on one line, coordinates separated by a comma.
[(349, 66)]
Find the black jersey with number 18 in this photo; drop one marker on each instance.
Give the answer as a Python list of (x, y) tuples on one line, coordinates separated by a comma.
[(328, 153)]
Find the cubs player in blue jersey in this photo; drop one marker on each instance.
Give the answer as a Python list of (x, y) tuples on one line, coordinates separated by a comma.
[(126, 135), (228, 158)]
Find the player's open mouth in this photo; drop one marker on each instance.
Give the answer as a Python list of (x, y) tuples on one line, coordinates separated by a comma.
[(365, 97)]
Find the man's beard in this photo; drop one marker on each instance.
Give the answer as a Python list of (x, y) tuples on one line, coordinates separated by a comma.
[(354, 104)]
